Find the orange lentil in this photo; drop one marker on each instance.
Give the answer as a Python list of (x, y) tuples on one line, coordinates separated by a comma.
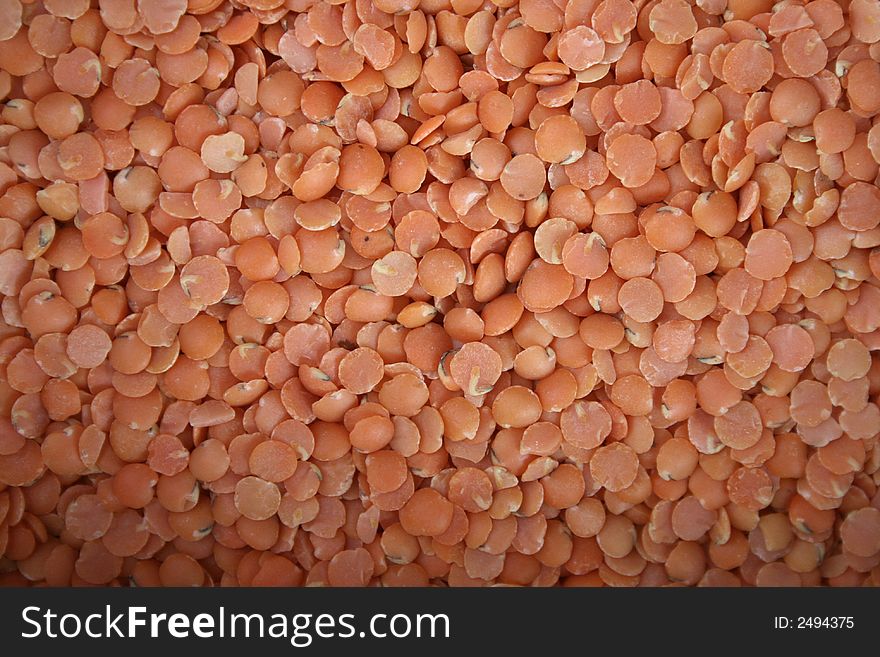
[(401, 294)]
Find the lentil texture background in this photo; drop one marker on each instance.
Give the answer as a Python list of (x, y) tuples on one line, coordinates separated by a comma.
[(453, 292)]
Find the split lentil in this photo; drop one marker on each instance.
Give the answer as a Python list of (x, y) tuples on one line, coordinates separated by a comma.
[(381, 292)]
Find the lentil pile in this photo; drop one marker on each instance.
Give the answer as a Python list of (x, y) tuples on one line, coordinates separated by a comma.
[(457, 292)]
